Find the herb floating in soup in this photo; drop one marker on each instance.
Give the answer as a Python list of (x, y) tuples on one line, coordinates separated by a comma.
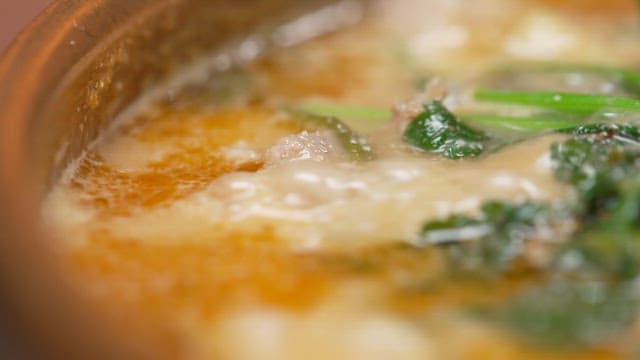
[(315, 204), (437, 130)]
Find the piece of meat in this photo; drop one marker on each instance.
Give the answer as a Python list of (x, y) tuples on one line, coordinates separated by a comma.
[(316, 145)]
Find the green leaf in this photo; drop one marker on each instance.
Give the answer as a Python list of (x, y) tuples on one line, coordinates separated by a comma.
[(437, 130), (594, 294), (492, 242), (569, 314), (595, 166), (610, 247), (628, 134)]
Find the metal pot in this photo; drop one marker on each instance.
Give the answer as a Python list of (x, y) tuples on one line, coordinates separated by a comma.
[(65, 78)]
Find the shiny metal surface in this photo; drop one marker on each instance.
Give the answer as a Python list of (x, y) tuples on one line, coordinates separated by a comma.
[(64, 79)]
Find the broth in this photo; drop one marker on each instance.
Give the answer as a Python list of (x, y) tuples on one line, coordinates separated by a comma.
[(239, 226)]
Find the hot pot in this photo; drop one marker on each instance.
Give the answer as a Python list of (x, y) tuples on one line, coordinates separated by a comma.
[(66, 77)]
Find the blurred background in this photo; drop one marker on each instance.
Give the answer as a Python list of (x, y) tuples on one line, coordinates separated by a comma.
[(15, 15)]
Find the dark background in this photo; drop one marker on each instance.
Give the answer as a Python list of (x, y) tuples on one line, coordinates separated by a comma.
[(15, 15)]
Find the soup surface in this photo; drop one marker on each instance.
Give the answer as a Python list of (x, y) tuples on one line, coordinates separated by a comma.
[(443, 179)]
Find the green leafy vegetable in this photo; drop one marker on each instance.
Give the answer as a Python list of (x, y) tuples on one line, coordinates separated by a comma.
[(594, 295), (437, 130), (495, 240), (625, 134), (609, 248), (596, 165), (591, 290), (608, 252), (566, 102), (566, 314)]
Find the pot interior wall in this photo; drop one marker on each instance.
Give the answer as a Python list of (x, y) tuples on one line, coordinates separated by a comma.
[(125, 53)]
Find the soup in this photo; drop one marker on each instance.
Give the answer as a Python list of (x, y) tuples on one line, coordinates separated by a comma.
[(437, 179)]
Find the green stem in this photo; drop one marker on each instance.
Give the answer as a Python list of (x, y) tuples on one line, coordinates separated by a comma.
[(566, 102), (529, 124), (342, 111)]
